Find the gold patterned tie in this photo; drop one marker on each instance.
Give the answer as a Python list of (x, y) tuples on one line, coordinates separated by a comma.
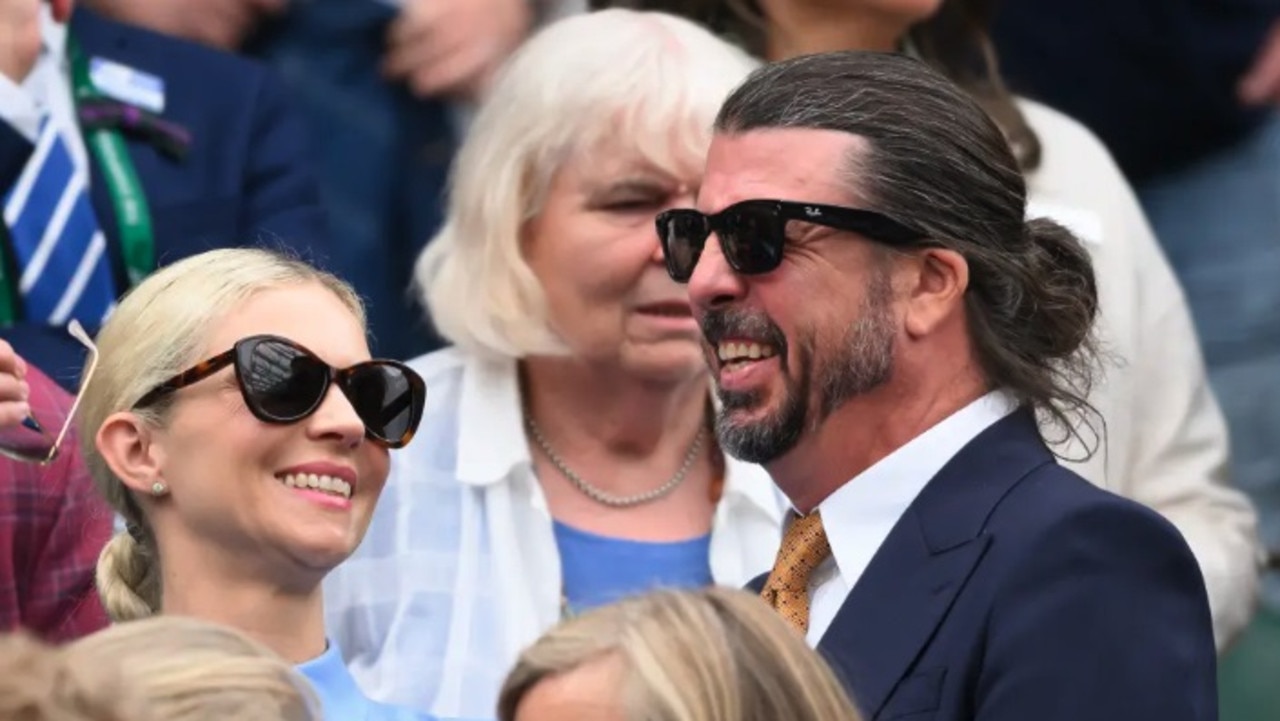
[(803, 547)]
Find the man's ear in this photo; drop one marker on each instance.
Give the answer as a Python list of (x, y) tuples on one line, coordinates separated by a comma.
[(128, 446), (937, 282)]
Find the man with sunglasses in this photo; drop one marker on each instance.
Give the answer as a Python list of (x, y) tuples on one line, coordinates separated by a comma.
[(885, 329), (53, 523)]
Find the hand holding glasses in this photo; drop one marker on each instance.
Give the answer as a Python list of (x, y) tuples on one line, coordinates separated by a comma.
[(23, 443)]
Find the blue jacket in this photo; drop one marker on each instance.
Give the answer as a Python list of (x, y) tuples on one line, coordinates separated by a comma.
[(246, 181)]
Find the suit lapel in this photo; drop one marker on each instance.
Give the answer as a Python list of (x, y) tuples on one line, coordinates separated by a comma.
[(911, 582), (893, 610)]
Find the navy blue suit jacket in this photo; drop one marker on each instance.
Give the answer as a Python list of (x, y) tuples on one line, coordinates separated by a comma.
[(1013, 590), (246, 181)]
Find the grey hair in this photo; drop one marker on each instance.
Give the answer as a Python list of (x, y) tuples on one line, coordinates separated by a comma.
[(933, 160)]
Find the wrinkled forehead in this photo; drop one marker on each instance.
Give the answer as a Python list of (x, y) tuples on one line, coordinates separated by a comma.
[(798, 164), (627, 166)]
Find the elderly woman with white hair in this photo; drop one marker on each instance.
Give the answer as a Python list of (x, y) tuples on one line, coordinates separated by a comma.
[(567, 458)]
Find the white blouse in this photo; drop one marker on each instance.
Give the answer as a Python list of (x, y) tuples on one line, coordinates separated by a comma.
[(460, 569)]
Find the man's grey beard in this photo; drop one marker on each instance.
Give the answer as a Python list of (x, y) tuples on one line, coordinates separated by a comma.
[(866, 362)]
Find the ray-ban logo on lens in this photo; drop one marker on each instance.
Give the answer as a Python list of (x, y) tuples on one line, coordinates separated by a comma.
[(812, 212)]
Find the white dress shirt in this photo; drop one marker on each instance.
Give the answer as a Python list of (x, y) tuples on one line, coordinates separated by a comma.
[(460, 570), (861, 513), (46, 90)]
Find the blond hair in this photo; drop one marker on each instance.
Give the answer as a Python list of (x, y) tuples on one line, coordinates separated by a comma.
[(36, 684), (710, 655), (166, 668), (653, 81), (159, 330)]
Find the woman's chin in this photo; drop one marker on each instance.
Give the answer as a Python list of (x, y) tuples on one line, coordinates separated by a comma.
[(673, 365), (320, 550)]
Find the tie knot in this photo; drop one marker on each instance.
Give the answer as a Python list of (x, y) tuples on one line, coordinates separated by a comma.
[(804, 546)]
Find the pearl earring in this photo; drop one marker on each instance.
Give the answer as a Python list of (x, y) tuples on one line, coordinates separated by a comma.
[(158, 489)]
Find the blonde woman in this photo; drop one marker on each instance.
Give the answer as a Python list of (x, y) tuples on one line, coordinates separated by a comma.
[(567, 458), (709, 655), (160, 669), (239, 426)]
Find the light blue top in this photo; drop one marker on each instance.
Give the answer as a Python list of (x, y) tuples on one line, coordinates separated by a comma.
[(341, 699), (599, 570)]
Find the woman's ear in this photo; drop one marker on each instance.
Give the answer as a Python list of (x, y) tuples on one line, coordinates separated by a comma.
[(128, 446)]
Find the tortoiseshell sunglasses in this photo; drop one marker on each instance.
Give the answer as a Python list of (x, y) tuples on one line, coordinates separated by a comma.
[(283, 382)]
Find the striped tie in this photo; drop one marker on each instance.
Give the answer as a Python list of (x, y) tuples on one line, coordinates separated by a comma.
[(65, 272)]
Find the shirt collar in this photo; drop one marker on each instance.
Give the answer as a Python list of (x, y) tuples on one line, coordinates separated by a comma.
[(751, 483), (53, 35), (491, 439), (880, 495), (340, 697)]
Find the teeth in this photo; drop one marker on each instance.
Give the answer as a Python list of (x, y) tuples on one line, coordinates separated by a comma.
[(327, 484), (730, 352)]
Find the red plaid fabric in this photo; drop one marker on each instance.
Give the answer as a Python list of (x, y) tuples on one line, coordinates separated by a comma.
[(53, 525)]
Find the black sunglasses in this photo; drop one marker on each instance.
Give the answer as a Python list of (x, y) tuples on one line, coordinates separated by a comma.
[(282, 382), (753, 232)]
